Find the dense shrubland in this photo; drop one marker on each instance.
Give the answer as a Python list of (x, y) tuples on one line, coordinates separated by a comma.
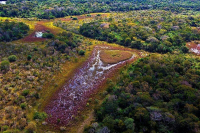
[(24, 71), (155, 94), (159, 93), (154, 31), (10, 31)]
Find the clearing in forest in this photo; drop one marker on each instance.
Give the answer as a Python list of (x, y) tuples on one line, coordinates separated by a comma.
[(194, 47)]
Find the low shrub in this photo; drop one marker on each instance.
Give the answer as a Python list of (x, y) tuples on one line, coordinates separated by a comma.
[(5, 65), (47, 35), (12, 58), (40, 116), (81, 52)]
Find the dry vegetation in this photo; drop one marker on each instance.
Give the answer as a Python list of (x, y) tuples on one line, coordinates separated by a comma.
[(42, 68), (39, 70), (194, 47), (73, 25), (114, 56)]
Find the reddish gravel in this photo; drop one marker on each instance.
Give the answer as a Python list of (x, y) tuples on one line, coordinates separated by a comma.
[(39, 27), (73, 96), (194, 47)]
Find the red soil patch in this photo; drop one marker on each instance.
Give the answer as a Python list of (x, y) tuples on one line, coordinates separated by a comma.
[(39, 27), (194, 47), (72, 98)]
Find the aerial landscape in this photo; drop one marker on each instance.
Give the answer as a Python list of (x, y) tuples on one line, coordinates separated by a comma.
[(100, 66)]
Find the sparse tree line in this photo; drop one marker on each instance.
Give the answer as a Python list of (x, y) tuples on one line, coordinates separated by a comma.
[(153, 31)]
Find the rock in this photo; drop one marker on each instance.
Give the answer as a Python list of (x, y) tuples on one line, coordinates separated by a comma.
[(159, 26), (30, 78), (38, 34), (164, 37), (137, 105), (157, 96), (91, 130), (95, 125), (37, 120), (50, 132), (152, 39), (104, 130), (105, 25), (30, 107), (39, 88), (175, 27), (155, 113), (62, 128), (44, 123), (112, 98), (186, 83), (156, 116)]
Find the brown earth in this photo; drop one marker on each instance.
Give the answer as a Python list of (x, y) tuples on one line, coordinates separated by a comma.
[(39, 27), (114, 56)]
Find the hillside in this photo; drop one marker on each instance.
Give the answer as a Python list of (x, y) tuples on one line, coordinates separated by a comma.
[(99, 66)]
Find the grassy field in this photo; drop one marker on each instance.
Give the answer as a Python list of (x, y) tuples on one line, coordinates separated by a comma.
[(114, 56)]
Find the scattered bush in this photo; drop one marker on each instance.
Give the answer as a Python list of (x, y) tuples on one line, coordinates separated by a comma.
[(12, 31), (23, 105), (4, 128), (12, 58), (25, 92), (81, 52), (5, 65), (47, 35), (40, 116), (29, 57), (75, 18), (184, 49), (31, 127)]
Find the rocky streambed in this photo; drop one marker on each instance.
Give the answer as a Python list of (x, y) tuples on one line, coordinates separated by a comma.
[(73, 96)]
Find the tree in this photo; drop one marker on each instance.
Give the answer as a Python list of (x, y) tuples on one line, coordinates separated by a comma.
[(75, 18), (29, 57), (12, 58), (81, 52), (127, 41), (40, 116), (47, 35), (184, 49), (31, 127), (136, 44), (5, 65), (129, 123), (109, 122), (141, 114)]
